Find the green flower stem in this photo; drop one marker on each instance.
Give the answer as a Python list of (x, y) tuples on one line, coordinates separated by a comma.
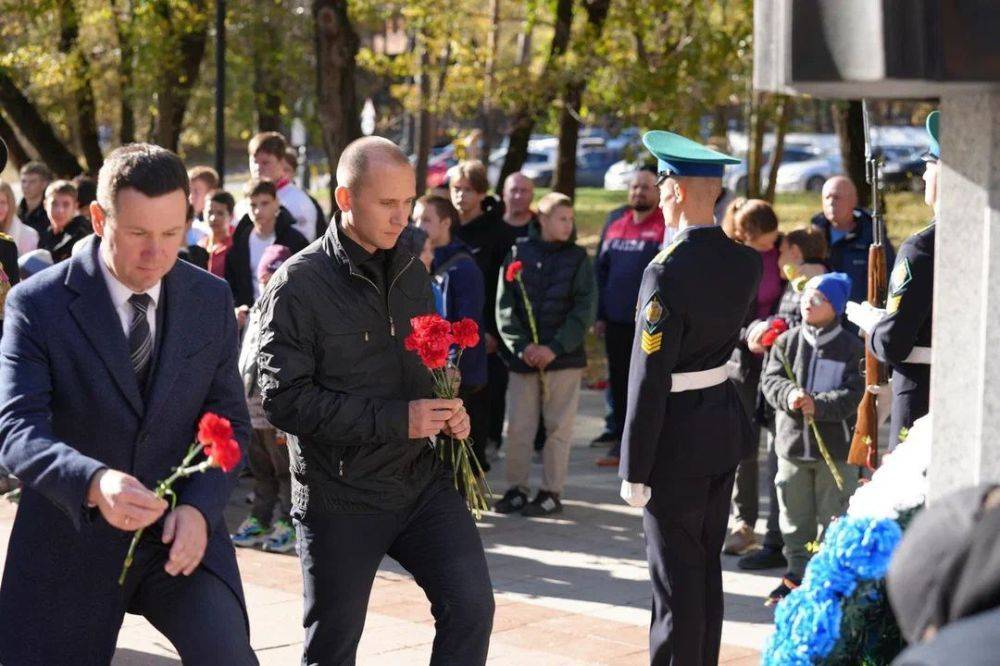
[(837, 478), (163, 489), (534, 332)]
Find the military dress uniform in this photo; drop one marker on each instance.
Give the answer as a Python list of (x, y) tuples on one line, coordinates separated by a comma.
[(686, 428)]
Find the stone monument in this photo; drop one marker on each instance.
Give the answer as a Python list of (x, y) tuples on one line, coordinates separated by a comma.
[(949, 50)]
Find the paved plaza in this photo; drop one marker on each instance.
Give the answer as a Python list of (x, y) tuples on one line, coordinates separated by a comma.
[(570, 590)]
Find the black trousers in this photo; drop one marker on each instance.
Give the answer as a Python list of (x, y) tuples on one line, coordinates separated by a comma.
[(496, 390), (199, 614), (685, 525), (435, 540), (618, 339)]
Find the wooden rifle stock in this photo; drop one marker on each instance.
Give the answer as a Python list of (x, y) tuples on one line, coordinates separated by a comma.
[(864, 444)]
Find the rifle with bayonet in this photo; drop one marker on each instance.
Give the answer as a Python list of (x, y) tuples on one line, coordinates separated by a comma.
[(864, 444)]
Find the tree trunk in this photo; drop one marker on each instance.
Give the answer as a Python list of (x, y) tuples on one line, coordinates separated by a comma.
[(123, 29), (266, 81), (17, 152), (423, 130), (180, 71), (337, 46), (785, 105), (755, 145), (528, 111), (80, 78), (564, 179), (35, 129), (492, 47), (848, 120)]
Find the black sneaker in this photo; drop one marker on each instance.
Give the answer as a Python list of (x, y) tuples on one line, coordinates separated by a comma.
[(765, 558), (514, 500), (788, 583), (603, 440), (544, 504)]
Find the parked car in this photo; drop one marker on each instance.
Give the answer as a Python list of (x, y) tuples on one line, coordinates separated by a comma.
[(803, 167), (903, 168), (592, 160)]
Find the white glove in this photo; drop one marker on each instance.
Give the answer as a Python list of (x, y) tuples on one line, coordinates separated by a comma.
[(864, 315), (636, 494)]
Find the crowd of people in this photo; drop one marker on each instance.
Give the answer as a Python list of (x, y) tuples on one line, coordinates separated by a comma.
[(686, 288), (526, 372)]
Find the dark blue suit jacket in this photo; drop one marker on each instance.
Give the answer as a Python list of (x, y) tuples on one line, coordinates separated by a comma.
[(70, 405)]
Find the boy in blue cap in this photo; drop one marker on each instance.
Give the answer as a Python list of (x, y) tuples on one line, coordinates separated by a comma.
[(685, 427), (825, 360)]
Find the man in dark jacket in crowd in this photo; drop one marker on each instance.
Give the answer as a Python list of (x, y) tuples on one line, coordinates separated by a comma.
[(358, 411), (483, 229), (266, 224), (848, 231), (35, 177)]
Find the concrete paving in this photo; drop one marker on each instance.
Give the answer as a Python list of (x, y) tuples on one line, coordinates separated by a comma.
[(570, 590)]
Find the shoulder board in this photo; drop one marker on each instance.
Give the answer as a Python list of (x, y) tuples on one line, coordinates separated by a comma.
[(664, 254), (6, 237)]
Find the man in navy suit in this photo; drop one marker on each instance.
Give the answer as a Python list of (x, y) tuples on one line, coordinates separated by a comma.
[(107, 362)]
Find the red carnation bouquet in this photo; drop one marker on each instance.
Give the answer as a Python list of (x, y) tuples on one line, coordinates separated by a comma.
[(215, 438), (513, 274), (432, 338)]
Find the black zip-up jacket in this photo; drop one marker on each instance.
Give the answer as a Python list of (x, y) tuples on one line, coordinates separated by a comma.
[(239, 274), (334, 375), (490, 239)]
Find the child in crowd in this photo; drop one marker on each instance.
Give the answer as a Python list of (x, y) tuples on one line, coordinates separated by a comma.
[(825, 360), (218, 215), (544, 375), (65, 226), (463, 294), (268, 451)]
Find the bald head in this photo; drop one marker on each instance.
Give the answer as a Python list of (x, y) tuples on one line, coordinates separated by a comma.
[(362, 155), (840, 198)]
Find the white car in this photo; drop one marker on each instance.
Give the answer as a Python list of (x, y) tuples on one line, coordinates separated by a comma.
[(802, 168), (619, 175)]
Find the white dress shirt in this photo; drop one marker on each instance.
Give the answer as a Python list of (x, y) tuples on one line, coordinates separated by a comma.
[(120, 295)]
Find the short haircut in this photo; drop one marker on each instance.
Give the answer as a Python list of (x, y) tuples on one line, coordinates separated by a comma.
[(472, 170), (291, 158), (649, 168), (553, 200), (205, 174), (60, 187), (444, 209), (86, 189), (261, 186), (412, 239), (810, 241), (148, 169), (748, 218), (357, 156), (37, 168), (271, 143), (224, 198)]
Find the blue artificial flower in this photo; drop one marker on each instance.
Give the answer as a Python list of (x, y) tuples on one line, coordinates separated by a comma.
[(825, 572), (807, 627), (863, 546)]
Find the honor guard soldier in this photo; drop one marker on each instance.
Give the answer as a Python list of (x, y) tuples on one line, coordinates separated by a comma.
[(900, 335), (686, 428)]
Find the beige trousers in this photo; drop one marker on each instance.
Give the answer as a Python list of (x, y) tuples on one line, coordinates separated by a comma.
[(524, 408)]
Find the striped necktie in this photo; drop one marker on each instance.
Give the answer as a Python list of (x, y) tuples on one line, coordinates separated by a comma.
[(140, 340)]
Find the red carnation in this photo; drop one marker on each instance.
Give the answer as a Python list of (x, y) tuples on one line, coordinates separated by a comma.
[(466, 333), (213, 429), (431, 338), (777, 327), (513, 270), (225, 455)]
